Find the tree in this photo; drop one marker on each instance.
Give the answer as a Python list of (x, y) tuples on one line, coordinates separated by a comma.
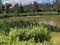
[(21, 9), (1, 6), (16, 8), (7, 6), (57, 5), (36, 7)]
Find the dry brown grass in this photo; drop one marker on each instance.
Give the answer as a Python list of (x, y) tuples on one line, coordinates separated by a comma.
[(55, 36)]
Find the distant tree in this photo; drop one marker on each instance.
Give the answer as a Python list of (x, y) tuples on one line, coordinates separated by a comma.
[(16, 8), (36, 6), (57, 4), (48, 7), (1, 6), (7, 6), (21, 9), (29, 8), (33, 7)]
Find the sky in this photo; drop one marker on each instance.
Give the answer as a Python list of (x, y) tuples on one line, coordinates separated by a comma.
[(26, 1)]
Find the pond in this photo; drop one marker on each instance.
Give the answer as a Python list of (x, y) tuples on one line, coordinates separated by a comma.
[(52, 20)]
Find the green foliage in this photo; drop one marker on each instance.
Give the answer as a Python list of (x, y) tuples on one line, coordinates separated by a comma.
[(6, 25), (35, 7), (1, 7), (7, 6), (4, 15), (14, 31), (21, 9), (52, 28), (25, 34), (38, 33)]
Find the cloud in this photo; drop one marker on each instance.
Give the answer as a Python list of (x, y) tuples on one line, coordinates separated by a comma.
[(24, 2)]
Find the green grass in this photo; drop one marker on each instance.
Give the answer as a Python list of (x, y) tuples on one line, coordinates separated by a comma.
[(4, 40), (4, 15)]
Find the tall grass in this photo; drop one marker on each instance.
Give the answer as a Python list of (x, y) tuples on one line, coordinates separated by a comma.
[(13, 32), (35, 34)]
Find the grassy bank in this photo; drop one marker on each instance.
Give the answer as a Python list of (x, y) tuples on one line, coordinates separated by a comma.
[(4, 15)]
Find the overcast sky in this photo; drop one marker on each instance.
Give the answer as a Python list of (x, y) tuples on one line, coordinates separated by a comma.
[(25, 1)]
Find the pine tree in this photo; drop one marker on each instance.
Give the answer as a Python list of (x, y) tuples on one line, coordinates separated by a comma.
[(21, 9)]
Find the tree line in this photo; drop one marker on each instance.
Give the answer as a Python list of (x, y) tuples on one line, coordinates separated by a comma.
[(35, 7)]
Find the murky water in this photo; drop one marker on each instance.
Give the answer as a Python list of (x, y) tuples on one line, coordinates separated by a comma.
[(53, 20)]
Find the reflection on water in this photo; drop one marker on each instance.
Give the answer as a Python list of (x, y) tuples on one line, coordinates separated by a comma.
[(51, 22)]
